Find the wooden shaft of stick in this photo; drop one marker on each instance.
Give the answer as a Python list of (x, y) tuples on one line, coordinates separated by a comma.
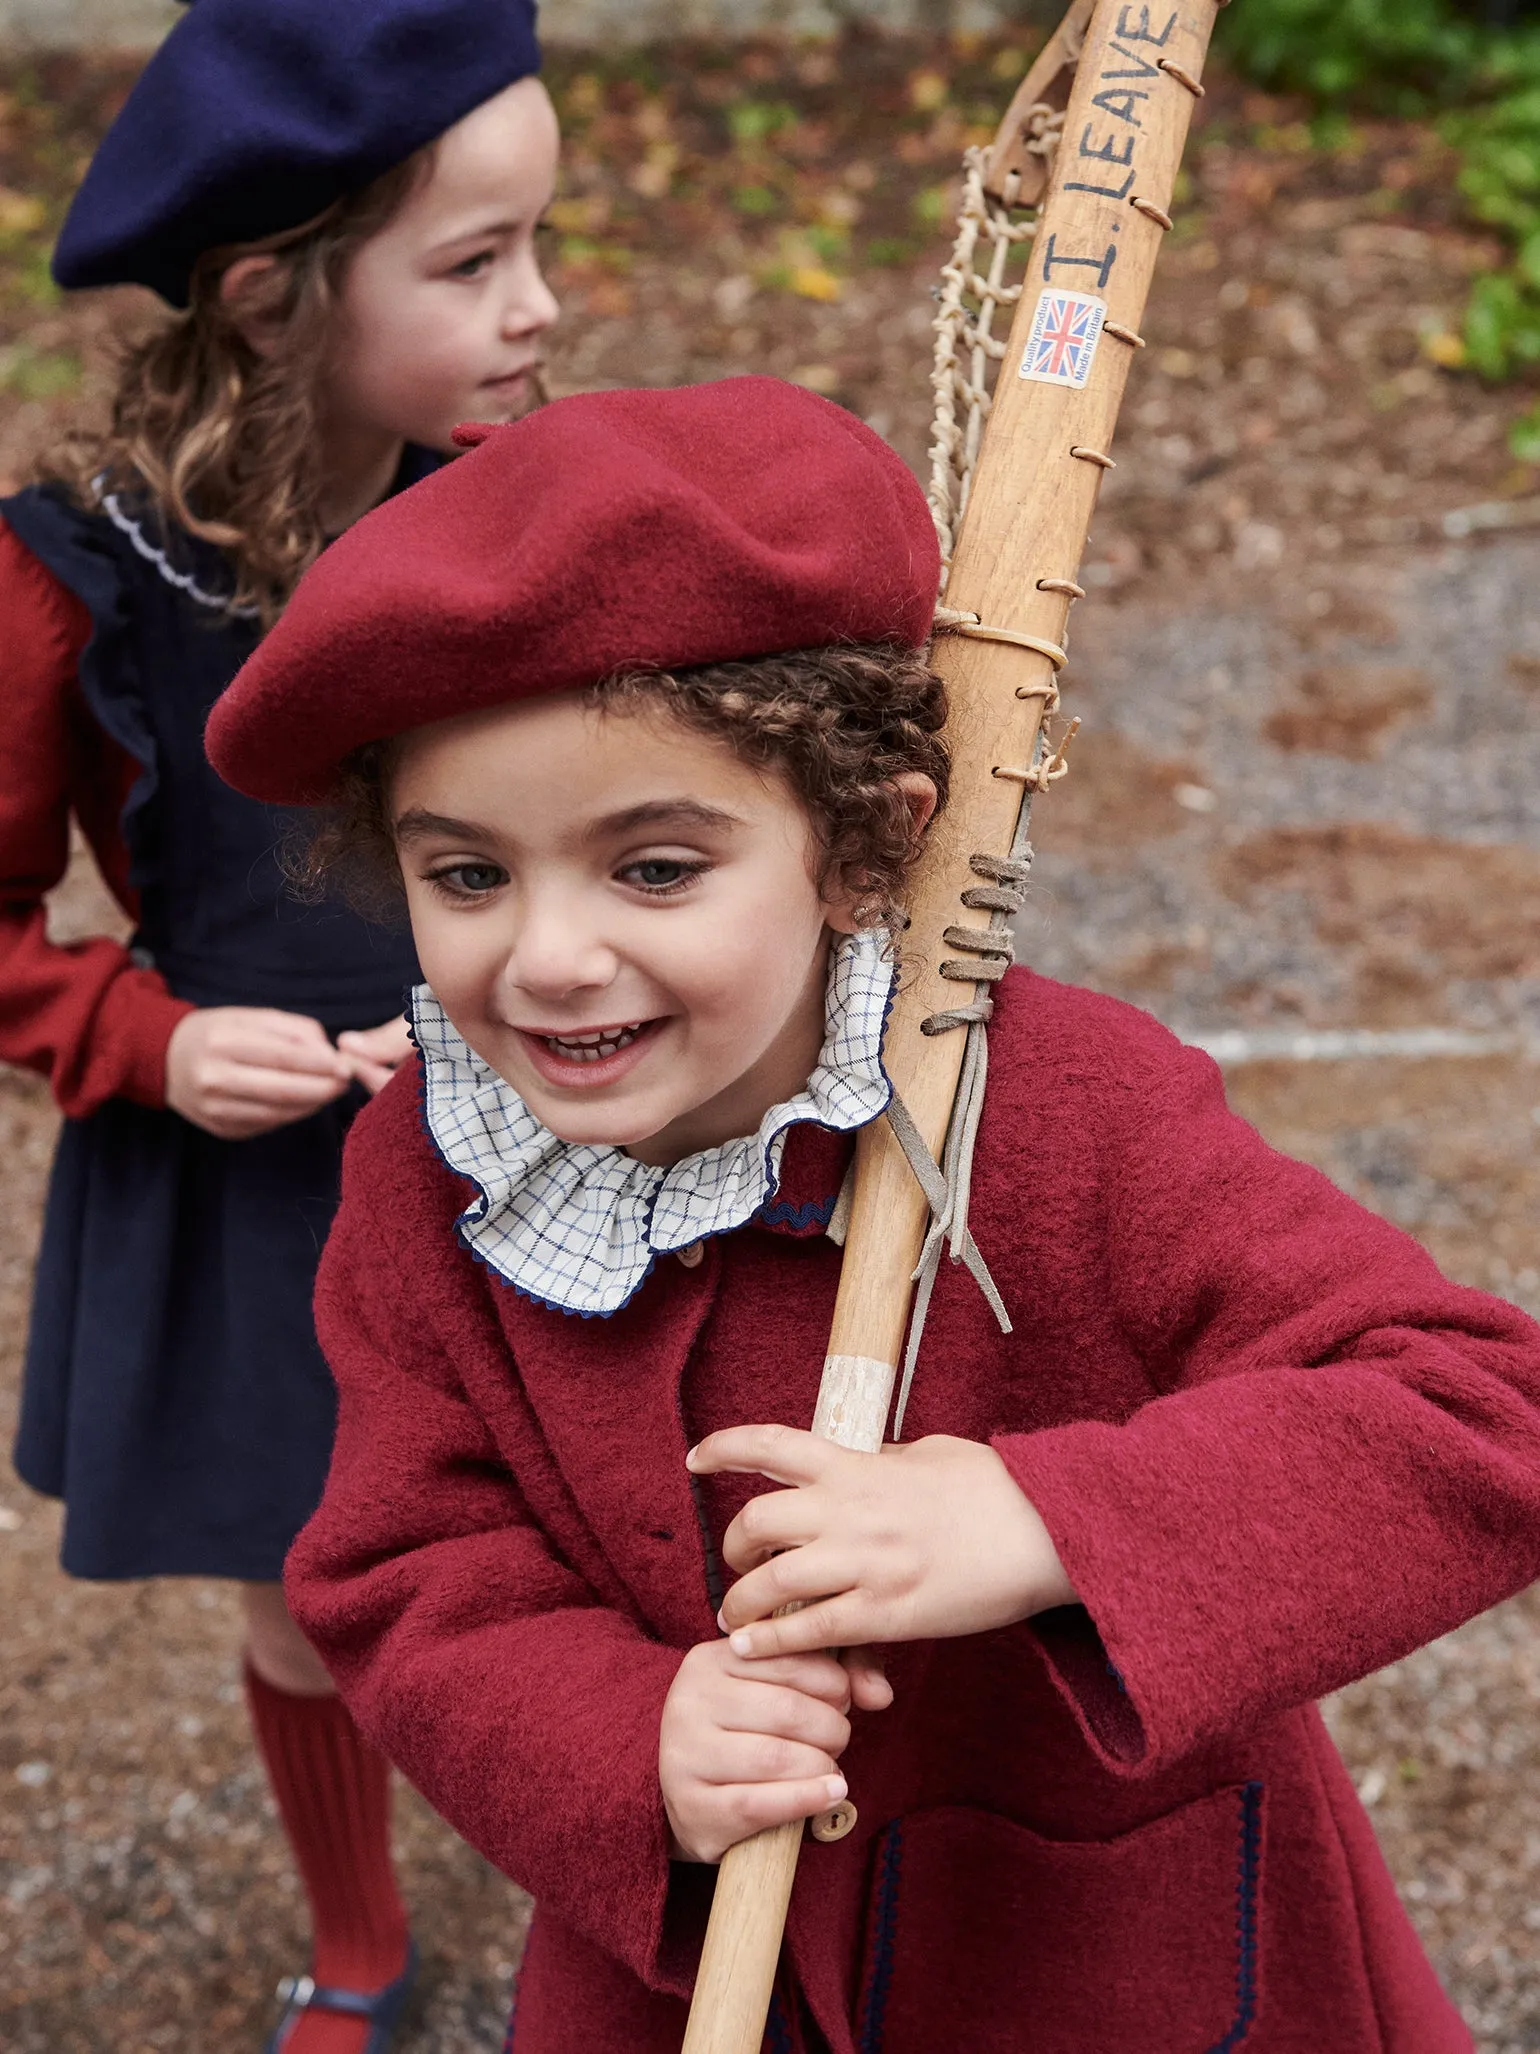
[(1033, 493)]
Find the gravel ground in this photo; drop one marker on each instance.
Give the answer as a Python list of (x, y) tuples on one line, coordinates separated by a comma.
[(1305, 792), (1357, 753)]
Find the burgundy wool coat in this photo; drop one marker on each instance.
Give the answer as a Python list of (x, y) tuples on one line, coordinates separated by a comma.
[(1274, 1448), (86, 1015)]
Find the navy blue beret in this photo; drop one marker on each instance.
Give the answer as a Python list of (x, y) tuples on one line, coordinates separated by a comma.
[(254, 115)]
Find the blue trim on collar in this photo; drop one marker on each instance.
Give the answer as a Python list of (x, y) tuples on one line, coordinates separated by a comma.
[(785, 1212)]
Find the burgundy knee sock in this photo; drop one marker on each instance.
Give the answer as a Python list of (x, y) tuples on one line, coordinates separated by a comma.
[(333, 1795)]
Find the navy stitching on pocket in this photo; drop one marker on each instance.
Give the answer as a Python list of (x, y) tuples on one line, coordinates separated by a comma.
[(885, 1918), (1246, 1920), (1248, 1877), (715, 1588), (777, 2031)]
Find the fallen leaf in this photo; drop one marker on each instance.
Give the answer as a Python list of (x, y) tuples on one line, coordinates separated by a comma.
[(813, 282)]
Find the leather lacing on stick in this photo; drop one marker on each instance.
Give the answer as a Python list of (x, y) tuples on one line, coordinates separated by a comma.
[(967, 353), (948, 1184)]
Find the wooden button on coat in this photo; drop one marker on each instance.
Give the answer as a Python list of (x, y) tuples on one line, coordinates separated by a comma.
[(835, 1823)]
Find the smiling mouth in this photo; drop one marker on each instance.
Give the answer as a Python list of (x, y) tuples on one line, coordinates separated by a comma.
[(522, 376), (595, 1046)]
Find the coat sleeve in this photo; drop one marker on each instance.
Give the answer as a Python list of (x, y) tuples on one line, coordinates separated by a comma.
[(481, 1663), (1344, 1462), (85, 1016)]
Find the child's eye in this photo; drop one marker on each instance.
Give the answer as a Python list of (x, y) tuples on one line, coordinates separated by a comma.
[(468, 880), (472, 267), (663, 876)]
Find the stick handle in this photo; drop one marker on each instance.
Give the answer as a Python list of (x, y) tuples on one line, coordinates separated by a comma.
[(743, 1943)]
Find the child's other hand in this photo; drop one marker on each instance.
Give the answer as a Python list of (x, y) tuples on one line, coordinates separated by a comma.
[(922, 1542), (744, 1745), (238, 1071), (376, 1053)]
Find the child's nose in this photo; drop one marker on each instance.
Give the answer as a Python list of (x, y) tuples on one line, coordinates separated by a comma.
[(557, 953), (532, 307)]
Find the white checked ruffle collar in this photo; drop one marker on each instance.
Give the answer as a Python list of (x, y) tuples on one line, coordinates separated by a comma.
[(578, 1226)]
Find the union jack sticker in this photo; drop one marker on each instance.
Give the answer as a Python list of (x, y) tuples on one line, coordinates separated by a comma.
[(1065, 331)]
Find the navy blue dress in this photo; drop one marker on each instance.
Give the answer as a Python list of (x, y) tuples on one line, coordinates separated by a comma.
[(174, 1394)]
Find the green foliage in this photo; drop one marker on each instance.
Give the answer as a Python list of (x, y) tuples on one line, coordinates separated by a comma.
[(1387, 56), (38, 374), (1500, 146), (756, 199), (1423, 59), (756, 121), (1524, 437), (1502, 325)]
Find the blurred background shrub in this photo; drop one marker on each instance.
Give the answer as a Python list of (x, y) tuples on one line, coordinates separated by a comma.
[(1473, 69)]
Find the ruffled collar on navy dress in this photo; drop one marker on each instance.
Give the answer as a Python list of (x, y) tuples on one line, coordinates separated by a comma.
[(577, 1226)]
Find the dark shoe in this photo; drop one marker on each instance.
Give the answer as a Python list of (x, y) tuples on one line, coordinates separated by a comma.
[(383, 2009)]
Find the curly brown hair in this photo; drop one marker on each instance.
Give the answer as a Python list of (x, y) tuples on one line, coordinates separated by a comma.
[(839, 724), (223, 438)]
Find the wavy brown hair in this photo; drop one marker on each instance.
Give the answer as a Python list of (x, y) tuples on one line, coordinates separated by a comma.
[(839, 724), (224, 438)]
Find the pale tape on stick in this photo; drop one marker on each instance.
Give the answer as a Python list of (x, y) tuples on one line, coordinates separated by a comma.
[(853, 1401)]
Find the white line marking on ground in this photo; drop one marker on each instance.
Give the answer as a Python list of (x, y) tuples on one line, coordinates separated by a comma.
[(1235, 1045)]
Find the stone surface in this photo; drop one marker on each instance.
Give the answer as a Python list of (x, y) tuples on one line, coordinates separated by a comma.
[(138, 24)]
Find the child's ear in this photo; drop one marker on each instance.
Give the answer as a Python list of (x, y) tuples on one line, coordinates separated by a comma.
[(842, 913), (249, 305), (919, 795)]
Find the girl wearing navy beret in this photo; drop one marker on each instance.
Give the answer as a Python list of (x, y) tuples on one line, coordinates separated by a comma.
[(339, 203), (632, 705)]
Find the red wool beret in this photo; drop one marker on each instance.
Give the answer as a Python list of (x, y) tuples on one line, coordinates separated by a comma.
[(665, 528)]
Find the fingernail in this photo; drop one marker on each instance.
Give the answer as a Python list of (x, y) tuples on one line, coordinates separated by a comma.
[(741, 1642), (689, 1460), (722, 1620), (837, 1787)]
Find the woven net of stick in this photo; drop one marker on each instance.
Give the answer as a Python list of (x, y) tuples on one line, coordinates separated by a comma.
[(982, 277)]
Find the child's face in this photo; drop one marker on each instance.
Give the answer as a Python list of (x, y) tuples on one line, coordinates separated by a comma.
[(617, 915), (441, 313)]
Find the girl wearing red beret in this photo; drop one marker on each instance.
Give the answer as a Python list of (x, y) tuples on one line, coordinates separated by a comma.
[(343, 201), (631, 705)]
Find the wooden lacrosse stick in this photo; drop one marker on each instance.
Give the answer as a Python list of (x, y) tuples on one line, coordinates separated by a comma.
[(1034, 489)]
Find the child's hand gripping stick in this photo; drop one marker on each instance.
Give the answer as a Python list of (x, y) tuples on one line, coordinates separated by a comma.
[(753, 1890)]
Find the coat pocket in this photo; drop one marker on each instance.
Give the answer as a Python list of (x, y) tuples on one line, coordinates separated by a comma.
[(985, 1936)]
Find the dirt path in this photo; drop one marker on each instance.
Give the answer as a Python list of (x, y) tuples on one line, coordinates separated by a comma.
[(1305, 792)]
